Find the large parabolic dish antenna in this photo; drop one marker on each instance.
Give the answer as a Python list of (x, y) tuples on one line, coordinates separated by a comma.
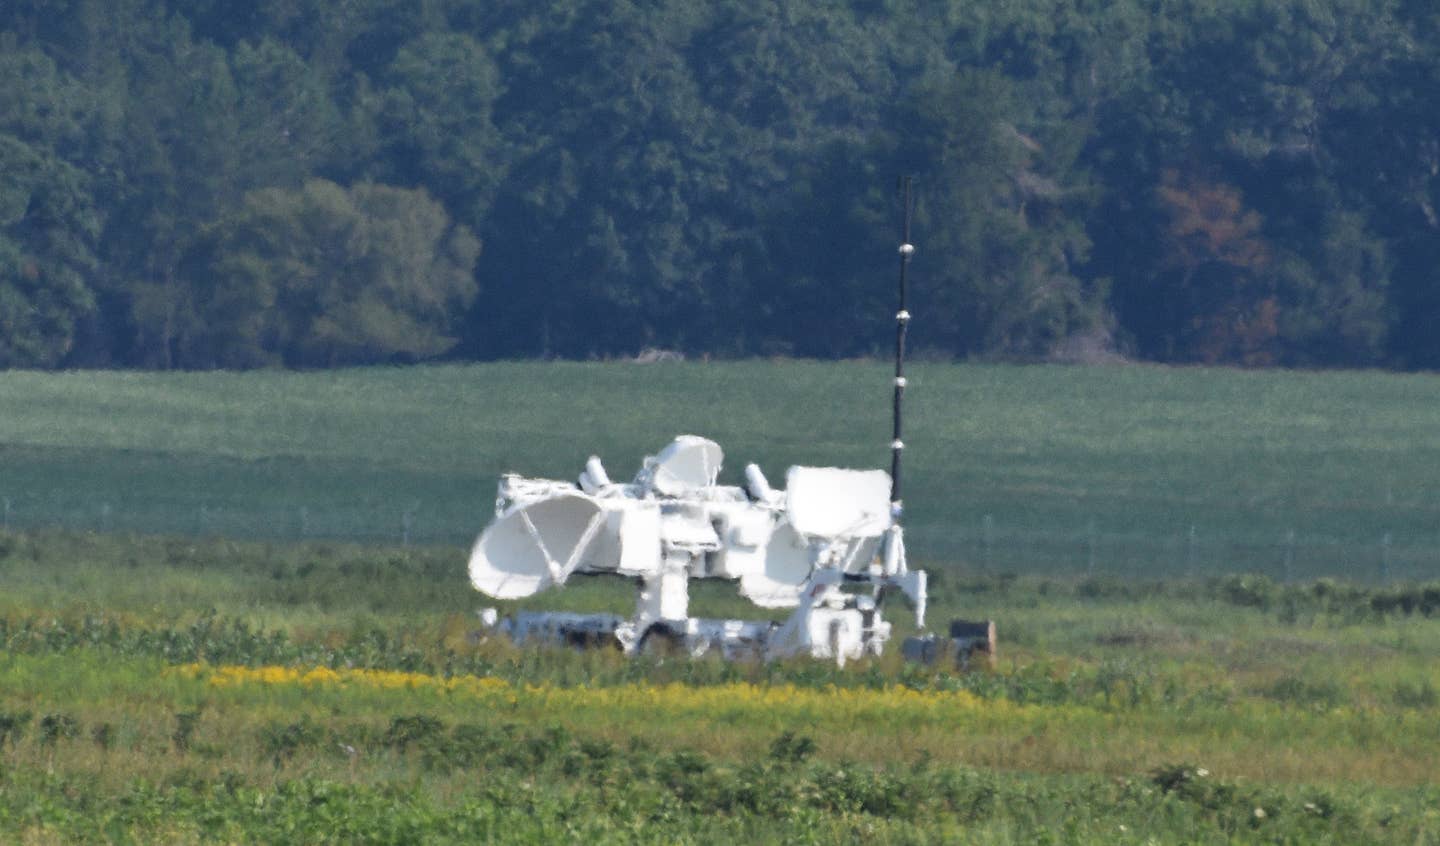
[(534, 546)]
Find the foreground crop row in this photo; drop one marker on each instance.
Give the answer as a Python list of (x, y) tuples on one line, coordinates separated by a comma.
[(149, 751)]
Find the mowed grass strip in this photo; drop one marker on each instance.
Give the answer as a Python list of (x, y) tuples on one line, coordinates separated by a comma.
[(1012, 468)]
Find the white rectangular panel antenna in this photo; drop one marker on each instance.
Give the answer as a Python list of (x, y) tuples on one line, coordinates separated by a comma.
[(829, 502)]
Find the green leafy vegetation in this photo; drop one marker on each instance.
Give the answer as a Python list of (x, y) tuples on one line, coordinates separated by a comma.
[(1246, 183), (322, 275)]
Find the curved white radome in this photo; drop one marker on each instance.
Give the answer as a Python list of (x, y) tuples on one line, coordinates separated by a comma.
[(688, 463), (534, 546), (786, 568)]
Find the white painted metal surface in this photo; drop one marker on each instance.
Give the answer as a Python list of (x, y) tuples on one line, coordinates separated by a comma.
[(827, 546), (534, 546), (827, 502)]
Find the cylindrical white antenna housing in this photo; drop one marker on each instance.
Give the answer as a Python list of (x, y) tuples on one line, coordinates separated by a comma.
[(757, 485), (597, 472)]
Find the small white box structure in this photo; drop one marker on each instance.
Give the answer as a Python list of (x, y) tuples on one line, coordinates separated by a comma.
[(828, 546)]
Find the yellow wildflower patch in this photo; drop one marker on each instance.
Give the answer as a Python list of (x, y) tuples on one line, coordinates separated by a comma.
[(736, 698), (232, 676)]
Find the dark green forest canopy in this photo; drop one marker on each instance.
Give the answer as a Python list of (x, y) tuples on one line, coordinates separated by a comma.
[(309, 183)]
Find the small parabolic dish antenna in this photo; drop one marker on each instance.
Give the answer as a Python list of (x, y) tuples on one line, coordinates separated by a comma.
[(534, 546), (688, 463)]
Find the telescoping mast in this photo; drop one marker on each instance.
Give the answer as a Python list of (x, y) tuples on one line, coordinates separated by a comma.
[(830, 546)]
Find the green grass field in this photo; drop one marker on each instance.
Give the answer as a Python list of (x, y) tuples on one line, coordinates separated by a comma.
[(180, 690), (1130, 470), (175, 666)]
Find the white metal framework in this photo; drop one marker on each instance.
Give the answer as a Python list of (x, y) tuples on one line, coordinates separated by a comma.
[(827, 546)]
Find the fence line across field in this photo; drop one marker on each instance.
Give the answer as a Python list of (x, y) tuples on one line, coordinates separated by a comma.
[(983, 544), (1191, 550), (402, 524)]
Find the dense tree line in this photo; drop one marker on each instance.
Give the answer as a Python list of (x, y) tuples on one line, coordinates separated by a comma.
[(309, 182)]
